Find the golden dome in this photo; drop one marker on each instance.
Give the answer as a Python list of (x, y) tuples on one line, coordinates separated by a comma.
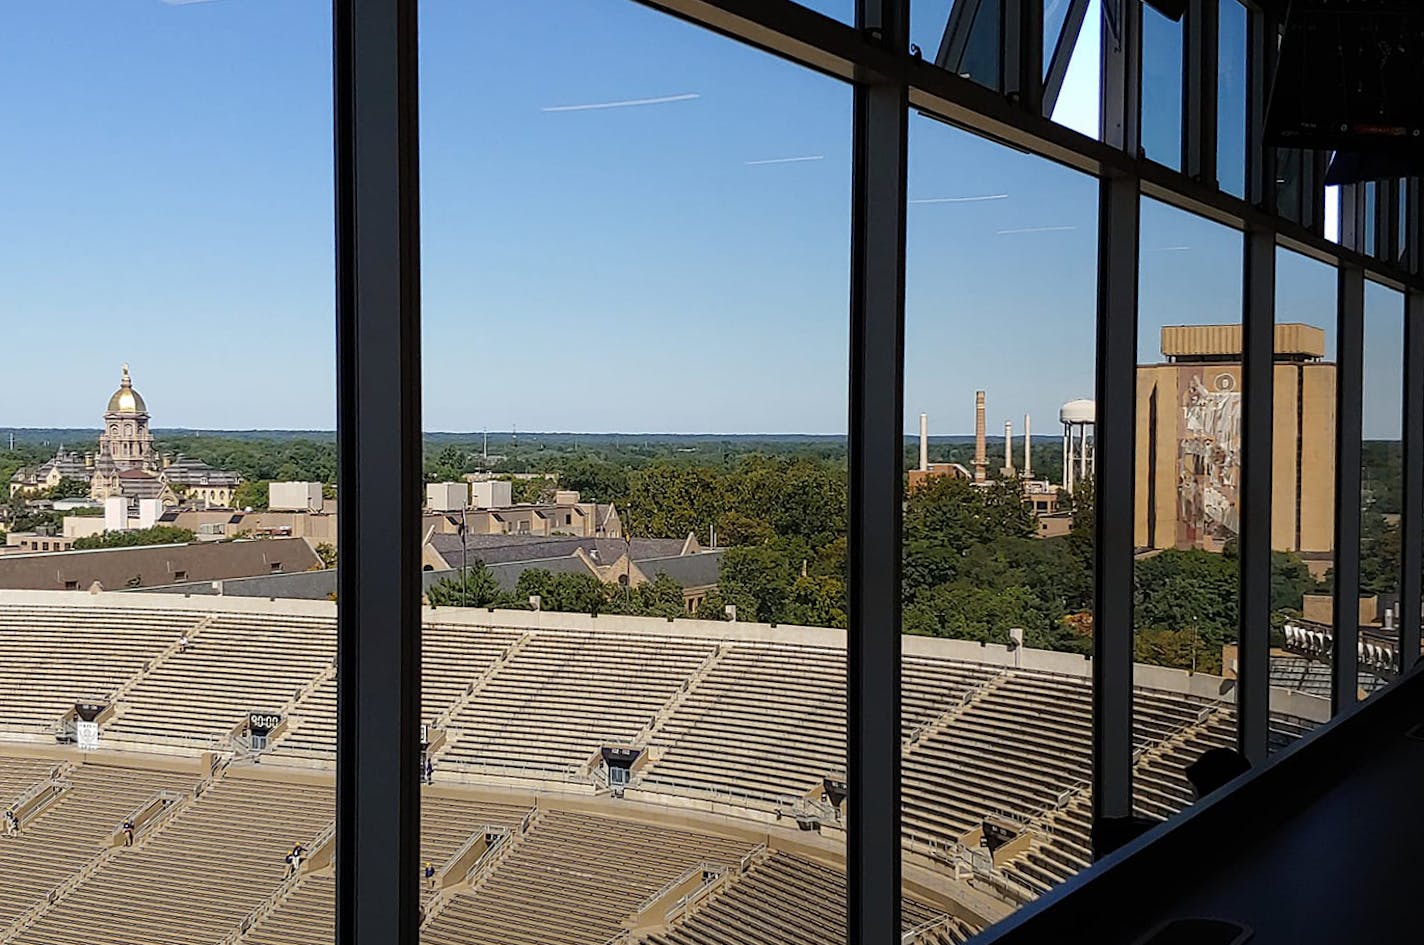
[(126, 399)]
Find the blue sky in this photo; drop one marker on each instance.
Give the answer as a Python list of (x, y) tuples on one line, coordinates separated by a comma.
[(680, 265)]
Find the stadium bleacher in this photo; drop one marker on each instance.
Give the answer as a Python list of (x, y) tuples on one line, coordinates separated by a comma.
[(733, 721)]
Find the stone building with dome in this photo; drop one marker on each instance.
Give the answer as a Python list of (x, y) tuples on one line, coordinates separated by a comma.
[(126, 463)]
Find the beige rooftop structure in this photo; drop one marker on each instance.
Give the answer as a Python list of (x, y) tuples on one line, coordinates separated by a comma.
[(1294, 341)]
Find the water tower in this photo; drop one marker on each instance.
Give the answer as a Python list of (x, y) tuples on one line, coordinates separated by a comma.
[(1079, 443)]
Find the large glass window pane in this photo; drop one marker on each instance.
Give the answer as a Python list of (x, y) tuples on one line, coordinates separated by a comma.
[(1187, 507), (636, 271), (964, 36), (1382, 485), (165, 614), (998, 610), (1079, 99), (1231, 95), (1302, 495), (1161, 88)]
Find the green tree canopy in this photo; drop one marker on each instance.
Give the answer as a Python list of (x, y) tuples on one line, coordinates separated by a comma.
[(157, 535)]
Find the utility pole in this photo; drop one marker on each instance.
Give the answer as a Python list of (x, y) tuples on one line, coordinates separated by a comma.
[(464, 554)]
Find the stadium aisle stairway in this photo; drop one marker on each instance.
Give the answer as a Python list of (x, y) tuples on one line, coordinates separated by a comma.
[(234, 666), (74, 829), (306, 916), (572, 880), (751, 909), (52, 657), (563, 695), (755, 726), (195, 880)]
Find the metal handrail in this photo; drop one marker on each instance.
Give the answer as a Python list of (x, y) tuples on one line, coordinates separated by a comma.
[(35, 790), (910, 936), (500, 833), (269, 902)]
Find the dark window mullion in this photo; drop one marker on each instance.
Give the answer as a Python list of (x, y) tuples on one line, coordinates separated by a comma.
[(379, 478)]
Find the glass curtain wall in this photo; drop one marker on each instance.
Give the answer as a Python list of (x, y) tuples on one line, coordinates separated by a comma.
[(1302, 495), (1187, 500), (635, 404), (1381, 490), (998, 532), (166, 261)]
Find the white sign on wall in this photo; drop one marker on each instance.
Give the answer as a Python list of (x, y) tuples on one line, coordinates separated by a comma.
[(87, 734)]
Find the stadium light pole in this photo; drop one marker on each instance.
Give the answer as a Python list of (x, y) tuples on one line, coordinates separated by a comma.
[(378, 435)]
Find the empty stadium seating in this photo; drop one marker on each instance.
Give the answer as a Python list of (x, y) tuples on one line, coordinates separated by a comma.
[(71, 831), (563, 695), (305, 915), (749, 722), (234, 665), (767, 721), (52, 657), (198, 876), (751, 910), (572, 880)]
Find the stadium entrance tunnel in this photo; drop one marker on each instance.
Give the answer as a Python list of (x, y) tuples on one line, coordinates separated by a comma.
[(258, 731), (617, 764)]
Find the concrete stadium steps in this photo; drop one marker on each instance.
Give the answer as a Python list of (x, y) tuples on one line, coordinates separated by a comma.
[(74, 830), (311, 726), (195, 880), (306, 916), (234, 666), (769, 719), (930, 688), (1018, 748), (51, 657), (786, 899), (1160, 789), (18, 774), (563, 695), (452, 659), (572, 880)]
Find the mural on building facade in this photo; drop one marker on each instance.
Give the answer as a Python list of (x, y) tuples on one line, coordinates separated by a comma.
[(1209, 459)]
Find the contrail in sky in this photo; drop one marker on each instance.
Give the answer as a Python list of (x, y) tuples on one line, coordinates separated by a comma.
[(789, 160), (1035, 229), (960, 199), (627, 103)]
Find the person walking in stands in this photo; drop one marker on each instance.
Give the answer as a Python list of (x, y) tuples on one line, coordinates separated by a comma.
[(429, 771), (128, 833), (294, 860), (430, 874), (12, 824), (183, 642)]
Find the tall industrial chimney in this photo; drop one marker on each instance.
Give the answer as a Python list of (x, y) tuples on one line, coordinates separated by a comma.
[(1008, 448), (1028, 450), (924, 443), (981, 460)]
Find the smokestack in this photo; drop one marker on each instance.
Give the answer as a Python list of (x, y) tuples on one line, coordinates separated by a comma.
[(1028, 451), (924, 443), (981, 460), (1008, 447)]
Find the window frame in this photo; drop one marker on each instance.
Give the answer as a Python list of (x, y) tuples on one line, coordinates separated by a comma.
[(377, 159)]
